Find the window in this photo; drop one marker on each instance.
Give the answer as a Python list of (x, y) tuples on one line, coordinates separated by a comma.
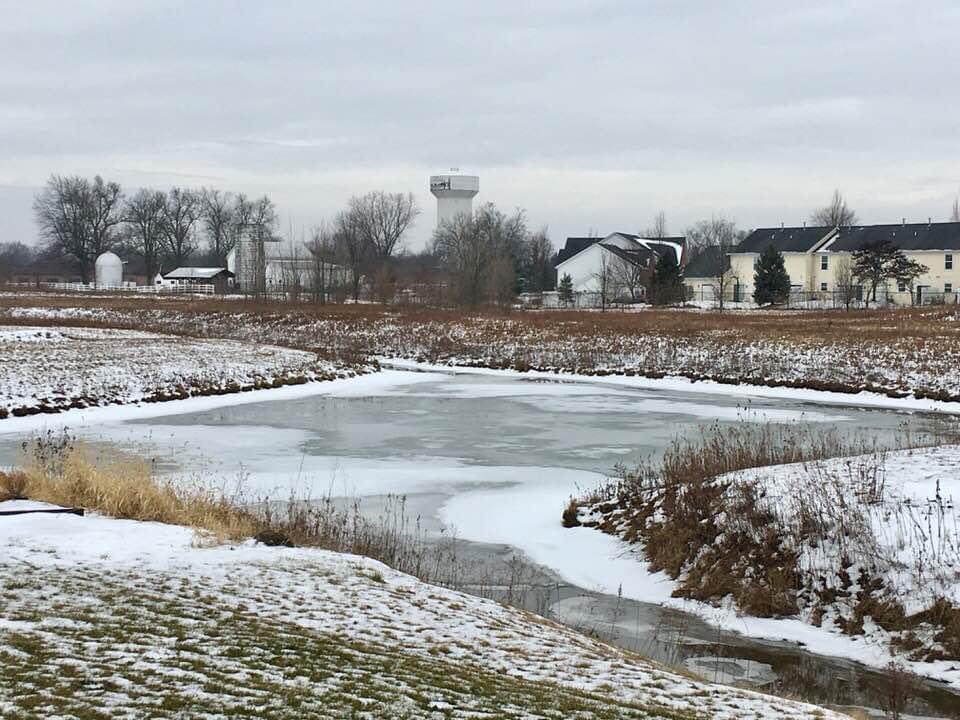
[(824, 262), (901, 286), (948, 261), (823, 287), (948, 287)]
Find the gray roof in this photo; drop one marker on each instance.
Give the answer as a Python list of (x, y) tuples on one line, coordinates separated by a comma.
[(791, 239), (911, 236), (574, 246), (707, 263), (639, 257)]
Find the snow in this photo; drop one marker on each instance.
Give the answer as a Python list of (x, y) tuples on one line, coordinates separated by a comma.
[(913, 514), (51, 370), (326, 594)]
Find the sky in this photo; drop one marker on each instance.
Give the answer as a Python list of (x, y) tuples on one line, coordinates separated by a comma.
[(591, 116)]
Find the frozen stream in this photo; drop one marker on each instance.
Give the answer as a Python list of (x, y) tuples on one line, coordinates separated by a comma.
[(496, 457)]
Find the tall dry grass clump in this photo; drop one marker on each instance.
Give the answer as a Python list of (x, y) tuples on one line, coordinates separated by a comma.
[(59, 471)]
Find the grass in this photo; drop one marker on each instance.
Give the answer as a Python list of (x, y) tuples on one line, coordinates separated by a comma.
[(896, 352), (109, 653)]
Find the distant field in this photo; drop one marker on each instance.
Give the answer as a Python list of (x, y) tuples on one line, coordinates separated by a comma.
[(893, 352)]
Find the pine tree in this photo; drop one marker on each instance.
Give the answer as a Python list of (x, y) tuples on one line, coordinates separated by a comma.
[(666, 284), (771, 284), (565, 289)]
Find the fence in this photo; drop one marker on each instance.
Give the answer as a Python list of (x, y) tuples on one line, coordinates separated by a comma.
[(168, 289)]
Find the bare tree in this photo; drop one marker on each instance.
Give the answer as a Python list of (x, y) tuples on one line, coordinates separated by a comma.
[(627, 275), (14, 257), (291, 268), (845, 283), (217, 213), (717, 236), (144, 216), (606, 277), (539, 270), (382, 219), (836, 214), (79, 218), (659, 227), (474, 250), (351, 248), (181, 211), (60, 210), (322, 266)]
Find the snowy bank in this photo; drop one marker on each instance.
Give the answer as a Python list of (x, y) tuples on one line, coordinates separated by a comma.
[(242, 629), (855, 557), (48, 370)]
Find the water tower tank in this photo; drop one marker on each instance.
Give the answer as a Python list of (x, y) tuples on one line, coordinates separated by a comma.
[(109, 270), (454, 195)]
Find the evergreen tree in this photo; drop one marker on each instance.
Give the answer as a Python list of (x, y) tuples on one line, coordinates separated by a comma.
[(771, 284), (565, 289), (666, 284)]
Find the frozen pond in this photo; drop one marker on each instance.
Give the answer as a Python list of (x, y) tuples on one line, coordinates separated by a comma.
[(496, 457)]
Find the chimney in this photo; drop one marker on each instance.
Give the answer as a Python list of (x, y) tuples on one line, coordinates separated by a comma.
[(903, 221), (781, 224), (804, 223)]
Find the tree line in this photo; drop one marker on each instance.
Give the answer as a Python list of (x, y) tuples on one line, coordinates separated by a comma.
[(83, 218)]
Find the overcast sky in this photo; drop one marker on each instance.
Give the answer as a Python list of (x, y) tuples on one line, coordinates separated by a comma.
[(591, 115)]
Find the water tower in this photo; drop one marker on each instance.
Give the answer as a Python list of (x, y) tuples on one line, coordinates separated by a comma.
[(454, 195), (108, 270)]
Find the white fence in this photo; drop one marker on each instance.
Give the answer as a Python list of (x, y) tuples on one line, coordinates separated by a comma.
[(166, 289)]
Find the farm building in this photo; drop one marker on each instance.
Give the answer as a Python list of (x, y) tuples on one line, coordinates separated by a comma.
[(812, 256), (616, 268), (220, 278)]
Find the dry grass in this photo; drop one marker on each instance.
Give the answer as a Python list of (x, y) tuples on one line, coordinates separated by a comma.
[(13, 485), (895, 352), (61, 472), (720, 537), (916, 324), (58, 470)]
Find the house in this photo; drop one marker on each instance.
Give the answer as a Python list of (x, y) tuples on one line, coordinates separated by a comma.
[(285, 266), (813, 255), (617, 267), (220, 278), (701, 276)]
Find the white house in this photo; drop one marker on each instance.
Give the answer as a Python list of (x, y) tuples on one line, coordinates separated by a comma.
[(286, 264), (616, 267)]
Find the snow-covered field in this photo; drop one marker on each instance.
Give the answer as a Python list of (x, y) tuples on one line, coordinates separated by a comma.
[(136, 619), (53, 369), (923, 362)]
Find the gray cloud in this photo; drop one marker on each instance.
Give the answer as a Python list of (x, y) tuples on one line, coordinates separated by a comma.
[(589, 114)]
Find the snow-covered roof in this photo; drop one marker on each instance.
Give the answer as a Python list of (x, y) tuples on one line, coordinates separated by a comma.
[(631, 244), (194, 273)]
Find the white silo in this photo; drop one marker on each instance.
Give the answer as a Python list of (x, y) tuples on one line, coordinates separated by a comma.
[(109, 270), (454, 195)]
